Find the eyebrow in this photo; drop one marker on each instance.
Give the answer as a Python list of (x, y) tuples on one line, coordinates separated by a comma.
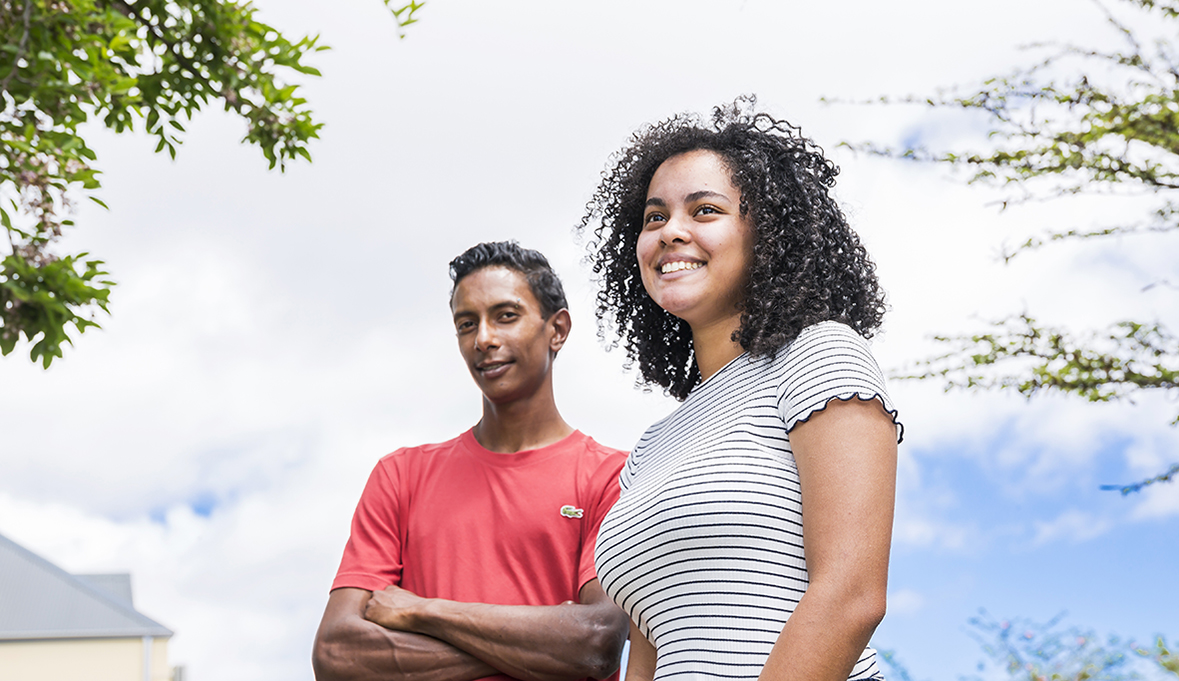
[(703, 194), (513, 304), (694, 196)]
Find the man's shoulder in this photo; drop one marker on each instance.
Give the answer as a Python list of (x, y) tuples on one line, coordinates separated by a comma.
[(405, 455), (594, 448), (597, 454)]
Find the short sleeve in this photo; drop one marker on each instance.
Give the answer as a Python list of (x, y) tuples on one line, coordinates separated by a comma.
[(372, 557), (604, 490), (829, 361)]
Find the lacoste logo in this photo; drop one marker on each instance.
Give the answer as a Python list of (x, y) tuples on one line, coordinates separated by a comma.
[(571, 511)]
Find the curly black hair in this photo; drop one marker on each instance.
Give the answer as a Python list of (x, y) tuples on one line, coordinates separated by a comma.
[(542, 280), (808, 265)]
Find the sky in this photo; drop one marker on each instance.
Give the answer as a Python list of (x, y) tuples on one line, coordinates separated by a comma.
[(272, 335)]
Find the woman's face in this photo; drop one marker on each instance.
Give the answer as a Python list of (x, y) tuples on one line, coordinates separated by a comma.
[(696, 248)]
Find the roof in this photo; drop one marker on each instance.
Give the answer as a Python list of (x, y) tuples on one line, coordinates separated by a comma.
[(39, 600), (117, 586)]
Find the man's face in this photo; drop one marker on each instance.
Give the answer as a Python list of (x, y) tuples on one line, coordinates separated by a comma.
[(507, 345)]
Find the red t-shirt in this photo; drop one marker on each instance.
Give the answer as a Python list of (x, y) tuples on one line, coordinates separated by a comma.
[(457, 521)]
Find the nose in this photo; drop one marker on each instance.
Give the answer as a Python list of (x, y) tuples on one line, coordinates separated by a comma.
[(674, 230), (485, 338)]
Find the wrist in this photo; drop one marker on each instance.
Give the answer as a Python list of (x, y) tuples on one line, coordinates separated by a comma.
[(442, 619), (424, 616)]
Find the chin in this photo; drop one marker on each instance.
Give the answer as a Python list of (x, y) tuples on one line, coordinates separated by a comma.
[(498, 392), (676, 299), (675, 307)]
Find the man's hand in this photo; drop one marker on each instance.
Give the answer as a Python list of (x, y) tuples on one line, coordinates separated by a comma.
[(393, 608)]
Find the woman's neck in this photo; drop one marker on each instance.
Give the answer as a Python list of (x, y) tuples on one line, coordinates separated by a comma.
[(714, 346)]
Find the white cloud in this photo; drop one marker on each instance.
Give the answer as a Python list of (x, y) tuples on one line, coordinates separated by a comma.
[(1072, 525), (1157, 501), (905, 602), (929, 532), (1149, 456)]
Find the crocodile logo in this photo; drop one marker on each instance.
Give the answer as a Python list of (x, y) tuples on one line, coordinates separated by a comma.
[(571, 511)]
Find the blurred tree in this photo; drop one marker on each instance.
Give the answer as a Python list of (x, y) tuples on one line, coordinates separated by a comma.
[(1029, 651), (66, 62), (1078, 121)]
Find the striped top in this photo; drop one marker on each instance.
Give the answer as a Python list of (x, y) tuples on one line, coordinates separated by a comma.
[(704, 548)]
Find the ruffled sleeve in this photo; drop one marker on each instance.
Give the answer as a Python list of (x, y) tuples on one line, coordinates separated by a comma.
[(829, 361)]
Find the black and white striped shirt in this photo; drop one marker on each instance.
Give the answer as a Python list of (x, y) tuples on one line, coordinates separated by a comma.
[(704, 548)]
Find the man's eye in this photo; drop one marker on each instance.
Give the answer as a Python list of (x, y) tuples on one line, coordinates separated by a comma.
[(464, 326)]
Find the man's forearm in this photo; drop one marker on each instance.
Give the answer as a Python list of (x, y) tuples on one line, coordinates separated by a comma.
[(350, 648), (533, 643)]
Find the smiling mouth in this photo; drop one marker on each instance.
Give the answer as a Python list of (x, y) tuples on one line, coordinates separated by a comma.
[(679, 266), (492, 369)]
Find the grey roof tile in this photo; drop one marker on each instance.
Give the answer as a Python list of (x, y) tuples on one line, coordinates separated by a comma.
[(39, 600), (117, 585)]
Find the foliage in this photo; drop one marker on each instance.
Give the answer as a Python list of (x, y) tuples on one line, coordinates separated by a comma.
[(1161, 655), (1020, 354), (64, 63), (1040, 652), (1028, 651), (404, 14), (1080, 120)]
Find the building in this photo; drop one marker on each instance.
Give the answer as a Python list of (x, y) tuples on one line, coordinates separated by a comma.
[(56, 626)]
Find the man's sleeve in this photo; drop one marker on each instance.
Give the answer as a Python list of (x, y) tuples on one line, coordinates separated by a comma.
[(603, 489), (372, 557)]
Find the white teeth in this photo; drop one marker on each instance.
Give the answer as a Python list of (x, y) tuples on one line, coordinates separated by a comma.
[(680, 265)]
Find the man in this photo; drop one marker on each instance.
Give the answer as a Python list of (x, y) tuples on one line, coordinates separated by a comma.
[(473, 558)]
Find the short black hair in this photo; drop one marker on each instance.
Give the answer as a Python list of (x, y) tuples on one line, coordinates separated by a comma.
[(808, 264), (544, 282)]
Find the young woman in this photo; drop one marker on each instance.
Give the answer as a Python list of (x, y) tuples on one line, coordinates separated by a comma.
[(752, 535)]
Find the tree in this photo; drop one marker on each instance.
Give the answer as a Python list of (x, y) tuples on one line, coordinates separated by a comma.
[(66, 62), (1078, 121), (1031, 651)]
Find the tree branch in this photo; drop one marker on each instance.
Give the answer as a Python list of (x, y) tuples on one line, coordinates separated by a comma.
[(1020, 354), (1165, 476), (1036, 242), (22, 48)]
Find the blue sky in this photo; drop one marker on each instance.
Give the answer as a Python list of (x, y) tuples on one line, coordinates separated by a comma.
[(273, 335), (1101, 569)]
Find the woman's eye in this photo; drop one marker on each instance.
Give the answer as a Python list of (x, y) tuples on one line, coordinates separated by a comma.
[(653, 217), (706, 210)]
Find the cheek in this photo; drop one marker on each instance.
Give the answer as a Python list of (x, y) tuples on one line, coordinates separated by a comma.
[(645, 246), (644, 251), (743, 242)]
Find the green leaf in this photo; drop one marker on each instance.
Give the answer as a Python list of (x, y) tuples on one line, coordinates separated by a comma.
[(91, 61)]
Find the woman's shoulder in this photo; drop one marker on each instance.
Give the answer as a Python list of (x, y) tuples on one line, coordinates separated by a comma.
[(826, 356), (829, 361), (830, 328), (823, 338)]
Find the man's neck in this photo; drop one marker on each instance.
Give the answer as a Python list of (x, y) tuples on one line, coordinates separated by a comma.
[(521, 425)]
